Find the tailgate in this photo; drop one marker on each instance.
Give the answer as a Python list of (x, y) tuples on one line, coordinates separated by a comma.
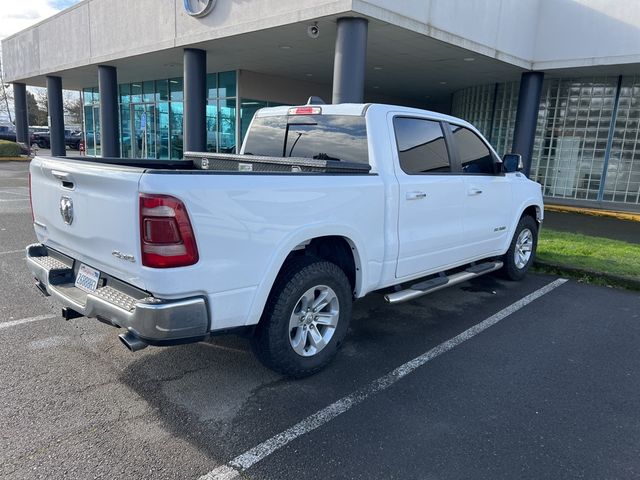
[(88, 211)]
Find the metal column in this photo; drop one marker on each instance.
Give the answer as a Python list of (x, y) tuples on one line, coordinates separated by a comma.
[(527, 117), (109, 121), (195, 100), (612, 132), (56, 116), (22, 117), (350, 60)]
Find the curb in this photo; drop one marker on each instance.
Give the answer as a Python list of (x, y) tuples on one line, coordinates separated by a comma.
[(629, 216), (15, 159), (631, 283)]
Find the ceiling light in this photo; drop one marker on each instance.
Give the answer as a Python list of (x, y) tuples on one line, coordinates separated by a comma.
[(468, 59), (378, 67), (285, 47), (443, 83), (309, 74)]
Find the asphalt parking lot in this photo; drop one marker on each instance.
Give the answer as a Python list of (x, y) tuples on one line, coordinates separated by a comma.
[(545, 387)]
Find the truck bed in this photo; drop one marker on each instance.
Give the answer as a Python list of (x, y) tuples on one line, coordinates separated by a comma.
[(227, 163)]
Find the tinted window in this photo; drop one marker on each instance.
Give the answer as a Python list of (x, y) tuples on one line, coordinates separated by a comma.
[(324, 137), (421, 146), (474, 154)]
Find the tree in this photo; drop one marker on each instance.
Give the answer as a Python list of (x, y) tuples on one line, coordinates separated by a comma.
[(72, 106), (36, 115), (6, 95), (43, 105), (6, 100)]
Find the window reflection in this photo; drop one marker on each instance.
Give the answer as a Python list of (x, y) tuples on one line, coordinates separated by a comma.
[(324, 137), (421, 146)]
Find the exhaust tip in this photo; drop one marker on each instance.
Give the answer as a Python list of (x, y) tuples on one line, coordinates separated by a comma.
[(132, 342)]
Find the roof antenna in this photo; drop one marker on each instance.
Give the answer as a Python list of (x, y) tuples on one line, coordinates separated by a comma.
[(315, 101)]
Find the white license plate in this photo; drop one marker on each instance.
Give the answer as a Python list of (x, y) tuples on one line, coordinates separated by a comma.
[(87, 278)]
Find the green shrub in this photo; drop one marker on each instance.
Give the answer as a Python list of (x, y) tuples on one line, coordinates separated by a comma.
[(9, 149)]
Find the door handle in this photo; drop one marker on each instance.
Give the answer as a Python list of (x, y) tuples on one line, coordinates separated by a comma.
[(474, 191), (65, 177), (61, 175), (416, 195)]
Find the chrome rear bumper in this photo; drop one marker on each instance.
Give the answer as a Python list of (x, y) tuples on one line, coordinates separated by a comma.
[(154, 321)]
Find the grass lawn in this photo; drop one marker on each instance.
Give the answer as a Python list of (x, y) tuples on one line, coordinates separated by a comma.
[(592, 254)]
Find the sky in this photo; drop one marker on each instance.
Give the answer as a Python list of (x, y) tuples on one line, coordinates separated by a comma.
[(16, 15)]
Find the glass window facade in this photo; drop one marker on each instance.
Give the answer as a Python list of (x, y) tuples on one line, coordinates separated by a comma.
[(151, 117), (91, 97), (574, 156)]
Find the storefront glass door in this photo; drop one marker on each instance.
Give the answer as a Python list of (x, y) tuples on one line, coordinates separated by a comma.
[(143, 122)]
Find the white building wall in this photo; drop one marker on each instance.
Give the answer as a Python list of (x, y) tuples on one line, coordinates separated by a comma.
[(531, 34), (576, 33)]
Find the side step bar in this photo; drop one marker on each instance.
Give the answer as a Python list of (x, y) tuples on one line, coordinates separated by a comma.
[(438, 283)]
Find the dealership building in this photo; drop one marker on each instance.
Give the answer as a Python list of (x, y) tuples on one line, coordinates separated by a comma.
[(557, 81)]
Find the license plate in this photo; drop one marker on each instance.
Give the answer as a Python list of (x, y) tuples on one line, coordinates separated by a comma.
[(87, 278)]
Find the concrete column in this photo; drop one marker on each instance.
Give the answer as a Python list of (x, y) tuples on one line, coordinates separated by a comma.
[(527, 117), (195, 100), (350, 60), (56, 116), (109, 121), (22, 117)]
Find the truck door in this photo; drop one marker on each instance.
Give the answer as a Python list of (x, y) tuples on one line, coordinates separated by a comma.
[(431, 202), (487, 198)]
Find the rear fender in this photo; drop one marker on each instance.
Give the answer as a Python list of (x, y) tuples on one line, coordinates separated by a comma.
[(297, 241)]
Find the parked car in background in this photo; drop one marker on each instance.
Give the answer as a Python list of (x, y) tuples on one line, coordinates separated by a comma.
[(72, 139), (7, 133)]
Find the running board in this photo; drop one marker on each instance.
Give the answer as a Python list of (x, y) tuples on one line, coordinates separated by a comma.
[(438, 283)]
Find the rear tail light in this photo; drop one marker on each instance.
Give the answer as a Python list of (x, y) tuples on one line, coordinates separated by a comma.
[(33, 218), (166, 235)]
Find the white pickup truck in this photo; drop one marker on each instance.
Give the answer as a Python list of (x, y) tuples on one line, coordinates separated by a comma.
[(324, 204)]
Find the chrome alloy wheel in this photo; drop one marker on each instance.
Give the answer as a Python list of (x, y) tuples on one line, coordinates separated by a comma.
[(524, 248), (313, 320)]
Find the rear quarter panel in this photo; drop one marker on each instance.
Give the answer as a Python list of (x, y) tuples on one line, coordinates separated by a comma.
[(247, 224)]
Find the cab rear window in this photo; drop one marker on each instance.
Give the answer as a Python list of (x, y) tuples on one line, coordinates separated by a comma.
[(323, 137)]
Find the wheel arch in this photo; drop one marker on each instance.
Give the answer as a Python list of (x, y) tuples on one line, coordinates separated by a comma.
[(339, 247), (534, 211)]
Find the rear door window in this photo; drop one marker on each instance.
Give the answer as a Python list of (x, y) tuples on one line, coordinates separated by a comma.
[(475, 156), (323, 137), (421, 146)]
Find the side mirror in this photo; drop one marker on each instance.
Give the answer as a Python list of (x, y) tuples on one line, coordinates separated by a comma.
[(512, 162)]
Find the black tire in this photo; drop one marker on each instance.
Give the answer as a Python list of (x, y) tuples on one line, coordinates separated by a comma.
[(272, 341), (511, 269)]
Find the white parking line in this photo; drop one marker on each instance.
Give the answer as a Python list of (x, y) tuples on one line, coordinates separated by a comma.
[(15, 193), (251, 457), (13, 323), (12, 251), (14, 199)]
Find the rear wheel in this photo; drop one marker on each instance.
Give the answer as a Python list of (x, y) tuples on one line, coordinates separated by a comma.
[(305, 319), (522, 249)]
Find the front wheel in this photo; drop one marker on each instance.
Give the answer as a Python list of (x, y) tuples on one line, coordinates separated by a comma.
[(305, 319), (522, 249)]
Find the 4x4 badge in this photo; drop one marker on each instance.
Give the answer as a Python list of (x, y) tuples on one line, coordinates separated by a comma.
[(66, 210)]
